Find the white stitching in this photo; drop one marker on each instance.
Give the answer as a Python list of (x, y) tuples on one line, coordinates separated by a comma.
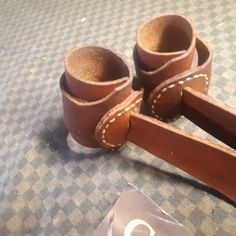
[(172, 86), (112, 120), (104, 131)]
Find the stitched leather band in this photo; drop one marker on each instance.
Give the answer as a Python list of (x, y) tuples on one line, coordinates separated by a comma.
[(102, 110)]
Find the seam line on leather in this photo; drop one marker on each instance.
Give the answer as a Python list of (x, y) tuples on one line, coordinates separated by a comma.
[(172, 86), (104, 131)]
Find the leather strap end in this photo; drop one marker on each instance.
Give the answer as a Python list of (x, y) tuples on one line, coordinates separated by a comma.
[(212, 116), (165, 101), (112, 130)]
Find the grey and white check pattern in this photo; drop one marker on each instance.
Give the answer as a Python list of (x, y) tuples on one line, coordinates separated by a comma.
[(49, 185)]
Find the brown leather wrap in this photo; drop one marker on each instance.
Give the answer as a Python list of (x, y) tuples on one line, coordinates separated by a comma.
[(102, 110), (191, 60), (92, 86), (208, 162)]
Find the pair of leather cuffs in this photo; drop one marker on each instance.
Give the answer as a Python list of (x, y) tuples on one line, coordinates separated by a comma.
[(173, 70)]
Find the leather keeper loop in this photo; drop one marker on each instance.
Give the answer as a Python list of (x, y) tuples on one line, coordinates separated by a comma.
[(81, 112), (164, 83), (157, 56)]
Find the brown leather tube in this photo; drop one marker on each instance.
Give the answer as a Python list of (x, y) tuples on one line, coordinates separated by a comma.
[(86, 67), (174, 36), (95, 80), (166, 46)]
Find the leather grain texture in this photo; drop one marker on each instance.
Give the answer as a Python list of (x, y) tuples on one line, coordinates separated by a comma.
[(50, 185), (204, 160)]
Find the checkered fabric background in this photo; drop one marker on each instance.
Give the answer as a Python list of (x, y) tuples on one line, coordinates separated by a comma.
[(49, 185)]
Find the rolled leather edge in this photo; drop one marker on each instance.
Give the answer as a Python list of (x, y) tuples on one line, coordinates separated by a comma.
[(150, 79), (177, 63), (84, 89), (112, 129), (156, 60), (89, 89), (88, 94)]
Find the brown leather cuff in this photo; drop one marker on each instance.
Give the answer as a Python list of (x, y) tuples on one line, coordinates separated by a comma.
[(165, 66), (97, 92)]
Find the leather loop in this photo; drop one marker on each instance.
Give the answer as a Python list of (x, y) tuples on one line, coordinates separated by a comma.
[(163, 84), (89, 75)]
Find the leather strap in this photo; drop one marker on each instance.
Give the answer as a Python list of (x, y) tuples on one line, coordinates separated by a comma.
[(211, 116), (166, 84), (101, 109), (208, 162)]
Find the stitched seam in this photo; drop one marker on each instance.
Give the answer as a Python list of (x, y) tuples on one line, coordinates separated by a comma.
[(181, 82), (104, 131)]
